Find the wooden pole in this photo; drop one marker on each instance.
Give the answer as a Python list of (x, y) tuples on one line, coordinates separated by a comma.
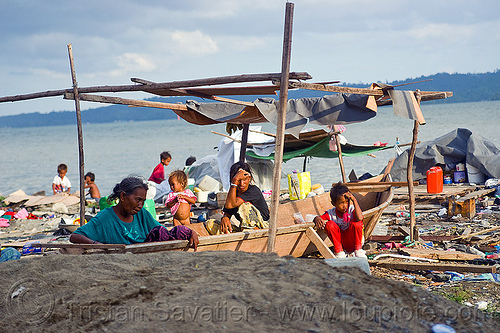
[(280, 131), (162, 85), (244, 142), (80, 136), (409, 172), (341, 161)]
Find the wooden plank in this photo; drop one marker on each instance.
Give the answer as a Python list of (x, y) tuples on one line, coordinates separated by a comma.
[(475, 194), (337, 89), (368, 188), (397, 184), (316, 240), (442, 267), (199, 228), (124, 101), (80, 246), (398, 238), (439, 254), (477, 233)]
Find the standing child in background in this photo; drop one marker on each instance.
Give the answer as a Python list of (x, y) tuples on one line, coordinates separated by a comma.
[(158, 174), (61, 183), (179, 201), (343, 223), (93, 189)]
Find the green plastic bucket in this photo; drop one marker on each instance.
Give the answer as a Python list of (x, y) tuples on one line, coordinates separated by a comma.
[(149, 205), (103, 203)]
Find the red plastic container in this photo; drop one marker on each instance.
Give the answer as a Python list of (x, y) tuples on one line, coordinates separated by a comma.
[(435, 180)]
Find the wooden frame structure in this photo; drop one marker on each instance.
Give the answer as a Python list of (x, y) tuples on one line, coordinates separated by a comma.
[(198, 87)]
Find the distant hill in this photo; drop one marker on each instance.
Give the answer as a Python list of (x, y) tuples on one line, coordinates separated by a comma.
[(465, 88)]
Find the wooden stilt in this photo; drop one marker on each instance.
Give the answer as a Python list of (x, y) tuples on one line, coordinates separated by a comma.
[(409, 172), (244, 141), (80, 136), (280, 131), (341, 161)]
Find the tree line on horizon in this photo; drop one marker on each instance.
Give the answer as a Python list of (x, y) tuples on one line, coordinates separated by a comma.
[(465, 87)]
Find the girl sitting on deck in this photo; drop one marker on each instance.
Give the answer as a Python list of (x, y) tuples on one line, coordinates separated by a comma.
[(343, 223)]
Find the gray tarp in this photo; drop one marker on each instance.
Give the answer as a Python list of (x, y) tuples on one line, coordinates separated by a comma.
[(339, 109), (458, 146)]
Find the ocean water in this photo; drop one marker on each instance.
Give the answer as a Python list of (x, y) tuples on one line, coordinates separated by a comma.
[(114, 150)]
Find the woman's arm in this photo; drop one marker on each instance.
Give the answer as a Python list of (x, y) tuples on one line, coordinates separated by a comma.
[(232, 200), (81, 239)]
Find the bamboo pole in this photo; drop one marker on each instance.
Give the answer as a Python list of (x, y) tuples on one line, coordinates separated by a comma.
[(409, 172), (80, 136), (280, 131)]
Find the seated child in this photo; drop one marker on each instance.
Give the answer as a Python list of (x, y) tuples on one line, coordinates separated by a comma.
[(179, 201), (343, 223), (61, 183), (93, 189)]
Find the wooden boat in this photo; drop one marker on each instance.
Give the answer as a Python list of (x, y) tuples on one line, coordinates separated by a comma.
[(291, 239)]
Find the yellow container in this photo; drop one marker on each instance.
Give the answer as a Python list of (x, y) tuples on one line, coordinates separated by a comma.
[(299, 185)]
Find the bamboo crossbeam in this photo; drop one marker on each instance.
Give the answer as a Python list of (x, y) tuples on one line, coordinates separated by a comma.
[(165, 85), (124, 101)]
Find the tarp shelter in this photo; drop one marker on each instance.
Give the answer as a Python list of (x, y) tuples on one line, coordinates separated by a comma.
[(457, 146), (340, 109)]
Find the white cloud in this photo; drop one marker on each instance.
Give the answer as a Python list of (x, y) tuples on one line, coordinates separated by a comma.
[(194, 42)]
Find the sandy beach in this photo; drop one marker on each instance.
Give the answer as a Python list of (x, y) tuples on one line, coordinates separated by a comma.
[(217, 291)]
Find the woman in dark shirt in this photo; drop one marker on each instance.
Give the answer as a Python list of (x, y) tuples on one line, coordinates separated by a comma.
[(242, 191)]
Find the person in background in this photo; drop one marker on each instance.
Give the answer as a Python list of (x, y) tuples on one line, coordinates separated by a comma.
[(179, 201), (61, 183), (158, 174), (244, 200), (127, 222), (93, 189), (343, 223)]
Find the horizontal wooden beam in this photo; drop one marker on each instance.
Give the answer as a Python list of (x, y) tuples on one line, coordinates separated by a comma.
[(397, 184), (80, 246), (165, 85), (124, 101), (337, 89), (442, 267)]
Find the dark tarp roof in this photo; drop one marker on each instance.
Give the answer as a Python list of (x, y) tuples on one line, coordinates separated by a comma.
[(337, 109)]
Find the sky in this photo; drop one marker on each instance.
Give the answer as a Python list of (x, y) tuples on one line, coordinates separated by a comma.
[(353, 41)]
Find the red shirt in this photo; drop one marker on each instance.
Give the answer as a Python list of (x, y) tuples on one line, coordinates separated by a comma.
[(158, 174)]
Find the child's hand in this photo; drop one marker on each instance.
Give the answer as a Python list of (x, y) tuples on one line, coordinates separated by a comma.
[(319, 222), (349, 196), (180, 197)]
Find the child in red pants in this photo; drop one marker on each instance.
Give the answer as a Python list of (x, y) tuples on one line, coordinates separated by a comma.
[(343, 223)]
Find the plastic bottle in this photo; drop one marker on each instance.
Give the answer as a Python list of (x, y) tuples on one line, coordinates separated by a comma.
[(493, 256)]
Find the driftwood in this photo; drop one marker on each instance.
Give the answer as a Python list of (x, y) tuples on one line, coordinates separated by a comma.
[(164, 85), (280, 126), (477, 233), (418, 266), (124, 101)]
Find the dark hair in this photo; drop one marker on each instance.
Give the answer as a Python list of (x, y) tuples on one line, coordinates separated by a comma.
[(128, 186), (180, 176), (236, 166), (190, 160), (165, 155), (90, 175), (337, 191), (62, 167)]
